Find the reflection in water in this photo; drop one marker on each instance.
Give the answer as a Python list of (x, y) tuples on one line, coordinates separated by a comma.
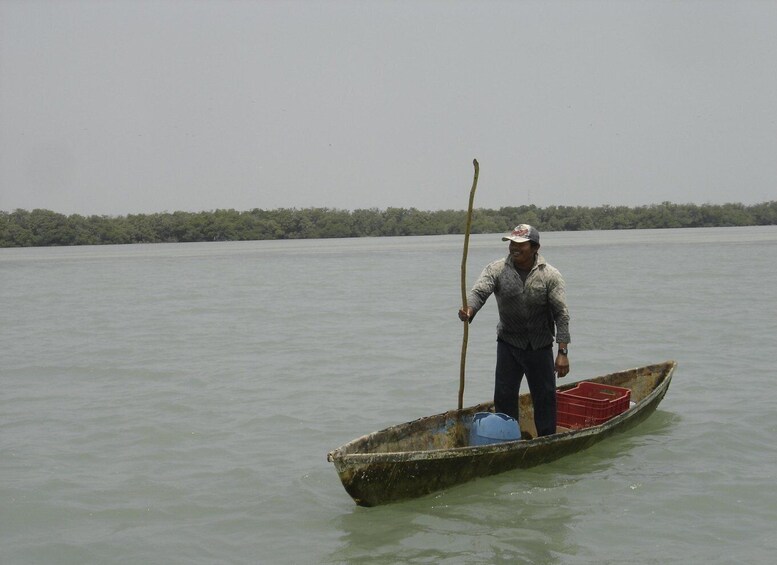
[(455, 527)]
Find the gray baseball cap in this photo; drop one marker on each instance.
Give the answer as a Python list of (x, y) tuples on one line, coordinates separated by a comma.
[(523, 232)]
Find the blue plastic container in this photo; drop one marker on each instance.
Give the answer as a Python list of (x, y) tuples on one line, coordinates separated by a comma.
[(488, 428)]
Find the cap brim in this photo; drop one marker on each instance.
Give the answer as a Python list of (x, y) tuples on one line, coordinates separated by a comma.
[(515, 239)]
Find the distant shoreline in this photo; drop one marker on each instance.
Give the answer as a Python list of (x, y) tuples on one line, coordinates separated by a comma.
[(45, 228)]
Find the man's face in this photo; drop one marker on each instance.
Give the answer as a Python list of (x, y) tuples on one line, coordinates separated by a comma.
[(522, 254)]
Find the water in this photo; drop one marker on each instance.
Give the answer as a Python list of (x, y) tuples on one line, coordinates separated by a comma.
[(175, 403)]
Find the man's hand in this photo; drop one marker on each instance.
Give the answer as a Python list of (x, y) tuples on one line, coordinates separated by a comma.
[(466, 315), (562, 365)]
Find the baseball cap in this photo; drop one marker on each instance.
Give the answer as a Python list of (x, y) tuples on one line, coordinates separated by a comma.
[(523, 232)]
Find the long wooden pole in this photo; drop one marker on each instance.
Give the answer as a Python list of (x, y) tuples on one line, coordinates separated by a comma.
[(464, 282)]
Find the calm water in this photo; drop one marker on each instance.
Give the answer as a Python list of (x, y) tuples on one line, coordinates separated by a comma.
[(175, 403)]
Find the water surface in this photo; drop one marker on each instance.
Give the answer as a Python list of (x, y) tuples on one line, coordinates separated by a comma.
[(175, 403)]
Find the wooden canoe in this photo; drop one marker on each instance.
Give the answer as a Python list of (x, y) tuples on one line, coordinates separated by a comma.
[(432, 453)]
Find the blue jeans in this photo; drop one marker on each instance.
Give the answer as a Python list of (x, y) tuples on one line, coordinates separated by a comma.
[(538, 366)]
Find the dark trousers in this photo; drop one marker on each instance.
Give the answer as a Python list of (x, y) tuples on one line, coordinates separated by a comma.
[(538, 366)]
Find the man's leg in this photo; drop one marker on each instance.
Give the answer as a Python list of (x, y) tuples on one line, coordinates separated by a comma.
[(541, 376), (507, 382)]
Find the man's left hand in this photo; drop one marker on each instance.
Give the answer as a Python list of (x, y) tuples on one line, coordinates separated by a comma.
[(562, 365)]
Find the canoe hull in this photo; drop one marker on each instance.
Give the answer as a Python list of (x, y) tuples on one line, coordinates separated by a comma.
[(379, 468)]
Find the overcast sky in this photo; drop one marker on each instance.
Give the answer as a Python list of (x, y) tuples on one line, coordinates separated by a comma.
[(117, 107)]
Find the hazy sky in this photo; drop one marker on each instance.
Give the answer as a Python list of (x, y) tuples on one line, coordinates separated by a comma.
[(127, 106)]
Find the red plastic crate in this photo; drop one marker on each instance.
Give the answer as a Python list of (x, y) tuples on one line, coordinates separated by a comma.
[(590, 404)]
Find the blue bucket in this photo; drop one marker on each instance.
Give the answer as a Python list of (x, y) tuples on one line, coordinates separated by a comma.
[(488, 428)]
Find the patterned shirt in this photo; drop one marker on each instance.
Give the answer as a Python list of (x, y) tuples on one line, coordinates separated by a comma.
[(531, 312)]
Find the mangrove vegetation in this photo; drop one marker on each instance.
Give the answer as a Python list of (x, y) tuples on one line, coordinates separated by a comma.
[(22, 228)]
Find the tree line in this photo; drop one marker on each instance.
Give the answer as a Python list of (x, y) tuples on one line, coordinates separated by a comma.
[(22, 228)]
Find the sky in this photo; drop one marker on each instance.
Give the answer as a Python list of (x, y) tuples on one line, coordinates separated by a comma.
[(130, 106)]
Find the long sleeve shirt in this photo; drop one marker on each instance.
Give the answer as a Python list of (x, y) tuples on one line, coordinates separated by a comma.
[(530, 312)]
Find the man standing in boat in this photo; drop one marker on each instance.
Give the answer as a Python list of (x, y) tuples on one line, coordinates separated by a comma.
[(532, 308)]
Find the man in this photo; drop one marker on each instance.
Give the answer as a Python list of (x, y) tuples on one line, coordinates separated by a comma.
[(532, 309)]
